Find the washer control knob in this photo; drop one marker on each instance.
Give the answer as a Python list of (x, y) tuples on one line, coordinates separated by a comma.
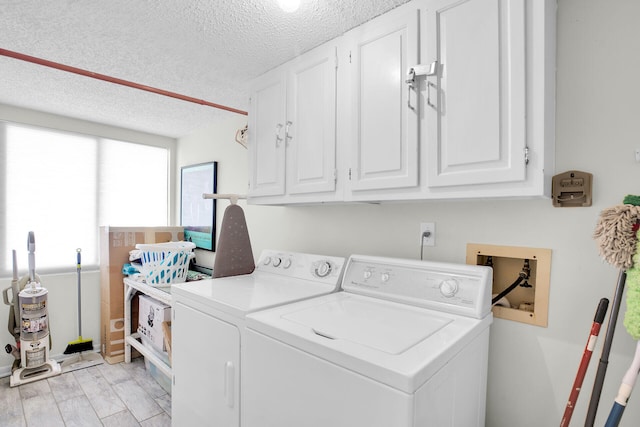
[(384, 277), (287, 263), (449, 288), (267, 260), (277, 261), (323, 269), (367, 274)]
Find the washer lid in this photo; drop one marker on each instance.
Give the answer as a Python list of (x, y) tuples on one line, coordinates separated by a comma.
[(400, 345), (370, 323)]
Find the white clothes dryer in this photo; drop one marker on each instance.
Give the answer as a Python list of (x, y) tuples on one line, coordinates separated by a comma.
[(404, 344), (208, 328)]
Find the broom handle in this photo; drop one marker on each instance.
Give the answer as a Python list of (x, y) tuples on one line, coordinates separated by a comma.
[(628, 381), (606, 348), (79, 294), (601, 311), (15, 288)]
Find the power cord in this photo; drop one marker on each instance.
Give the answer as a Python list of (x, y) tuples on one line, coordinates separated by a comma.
[(425, 235)]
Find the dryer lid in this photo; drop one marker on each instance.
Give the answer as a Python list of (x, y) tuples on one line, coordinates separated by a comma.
[(372, 324)]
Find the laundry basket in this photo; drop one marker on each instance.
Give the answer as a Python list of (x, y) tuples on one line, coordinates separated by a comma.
[(164, 264)]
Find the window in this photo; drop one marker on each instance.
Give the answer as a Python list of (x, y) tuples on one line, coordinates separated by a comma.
[(63, 186)]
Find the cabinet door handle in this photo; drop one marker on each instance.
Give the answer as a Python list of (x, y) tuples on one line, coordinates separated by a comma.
[(411, 76), (229, 380), (433, 69), (433, 72), (287, 128), (409, 87), (429, 86), (421, 70), (278, 137)]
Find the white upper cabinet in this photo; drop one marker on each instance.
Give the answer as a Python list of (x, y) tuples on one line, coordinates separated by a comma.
[(310, 129), (267, 117), (292, 129), (384, 112), (435, 99), (476, 101)]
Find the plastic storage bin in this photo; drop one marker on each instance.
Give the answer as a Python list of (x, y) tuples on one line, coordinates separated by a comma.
[(165, 263)]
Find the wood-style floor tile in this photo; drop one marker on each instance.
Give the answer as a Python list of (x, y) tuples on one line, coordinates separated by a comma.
[(161, 420), (78, 412), (121, 395), (103, 398), (42, 410), (11, 414), (64, 387), (121, 419), (141, 405)]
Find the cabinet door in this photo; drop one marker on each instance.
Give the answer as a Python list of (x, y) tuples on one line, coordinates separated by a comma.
[(475, 107), (267, 135), (384, 115), (311, 122), (206, 370)]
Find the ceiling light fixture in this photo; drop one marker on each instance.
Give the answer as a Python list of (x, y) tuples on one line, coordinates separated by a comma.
[(289, 6)]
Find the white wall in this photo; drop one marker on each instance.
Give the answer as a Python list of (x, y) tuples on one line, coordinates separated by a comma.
[(531, 369), (216, 143)]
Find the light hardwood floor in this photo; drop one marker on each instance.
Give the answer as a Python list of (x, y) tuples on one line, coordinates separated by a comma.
[(119, 395)]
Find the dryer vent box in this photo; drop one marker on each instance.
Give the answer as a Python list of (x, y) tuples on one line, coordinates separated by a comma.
[(572, 189), (524, 304)]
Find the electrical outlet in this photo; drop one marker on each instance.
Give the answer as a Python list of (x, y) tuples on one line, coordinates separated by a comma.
[(430, 228)]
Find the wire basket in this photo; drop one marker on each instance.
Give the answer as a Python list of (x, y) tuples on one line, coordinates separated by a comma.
[(165, 263)]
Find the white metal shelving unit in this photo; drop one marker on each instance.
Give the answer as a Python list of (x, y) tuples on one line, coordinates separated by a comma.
[(162, 294)]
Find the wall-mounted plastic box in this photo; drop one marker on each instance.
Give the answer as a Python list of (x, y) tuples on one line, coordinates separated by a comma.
[(524, 304)]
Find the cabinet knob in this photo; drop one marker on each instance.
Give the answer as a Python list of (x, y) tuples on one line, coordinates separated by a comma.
[(287, 131), (278, 131)]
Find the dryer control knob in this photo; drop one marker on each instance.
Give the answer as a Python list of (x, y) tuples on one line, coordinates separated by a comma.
[(449, 288), (267, 260), (287, 263), (277, 261), (367, 274), (323, 269), (384, 277)]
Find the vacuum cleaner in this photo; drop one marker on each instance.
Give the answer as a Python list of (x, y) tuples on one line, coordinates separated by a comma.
[(29, 324)]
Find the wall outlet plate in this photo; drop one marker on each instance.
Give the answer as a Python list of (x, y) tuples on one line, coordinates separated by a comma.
[(428, 227)]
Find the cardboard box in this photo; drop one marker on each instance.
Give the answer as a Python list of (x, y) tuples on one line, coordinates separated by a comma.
[(115, 245), (152, 313)]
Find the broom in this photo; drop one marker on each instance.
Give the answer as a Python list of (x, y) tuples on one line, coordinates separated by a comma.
[(81, 344)]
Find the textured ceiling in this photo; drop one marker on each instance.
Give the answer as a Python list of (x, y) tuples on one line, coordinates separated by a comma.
[(205, 49)]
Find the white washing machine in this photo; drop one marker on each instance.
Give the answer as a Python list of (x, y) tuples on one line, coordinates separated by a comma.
[(405, 344), (208, 327)]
